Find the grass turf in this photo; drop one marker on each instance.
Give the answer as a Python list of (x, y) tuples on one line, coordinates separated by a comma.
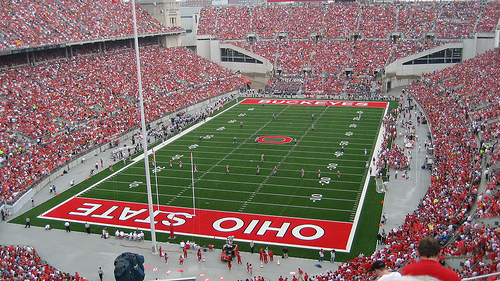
[(285, 194)]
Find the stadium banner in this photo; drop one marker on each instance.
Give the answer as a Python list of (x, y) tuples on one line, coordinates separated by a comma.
[(273, 230), (316, 102)]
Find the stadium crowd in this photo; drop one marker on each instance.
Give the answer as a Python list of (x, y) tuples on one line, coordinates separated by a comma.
[(330, 39), (23, 263), (448, 211), (59, 109), (27, 24), (327, 62), (453, 20)]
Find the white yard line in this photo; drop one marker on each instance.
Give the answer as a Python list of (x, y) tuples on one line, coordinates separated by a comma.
[(378, 145)]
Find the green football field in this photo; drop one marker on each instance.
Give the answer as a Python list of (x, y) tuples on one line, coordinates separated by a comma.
[(343, 140), (242, 190)]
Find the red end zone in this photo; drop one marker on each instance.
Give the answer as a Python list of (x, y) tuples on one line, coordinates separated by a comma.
[(296, 232), (316, 102)]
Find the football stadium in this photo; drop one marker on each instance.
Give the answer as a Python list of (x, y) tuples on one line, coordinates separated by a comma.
[(196, 140)]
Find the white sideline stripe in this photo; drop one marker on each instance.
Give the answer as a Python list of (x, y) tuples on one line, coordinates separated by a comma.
[(139, 158), (378, 145)]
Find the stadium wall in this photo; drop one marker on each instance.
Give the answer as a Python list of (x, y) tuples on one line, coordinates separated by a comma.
[(174, 40), (190, 17), (165, 11), (497, 39), (211, 50), (399, 75)]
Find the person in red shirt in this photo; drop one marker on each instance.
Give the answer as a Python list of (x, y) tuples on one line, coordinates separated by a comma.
[(181, 260), (199, 255), (229, 265), (429, 252)]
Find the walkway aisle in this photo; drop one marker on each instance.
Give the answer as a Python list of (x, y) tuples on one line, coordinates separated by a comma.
[(404, 194)]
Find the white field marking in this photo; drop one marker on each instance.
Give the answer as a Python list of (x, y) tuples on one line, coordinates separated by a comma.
[(248, 192), (378, 145), (311, 179)]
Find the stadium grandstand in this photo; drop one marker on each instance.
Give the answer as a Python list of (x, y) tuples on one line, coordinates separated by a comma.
[(68, 92)]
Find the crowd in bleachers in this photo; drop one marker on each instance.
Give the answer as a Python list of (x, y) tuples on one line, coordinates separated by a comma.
[(489, 17), (24, 263), (330, 38), (458, 19), (333, 20), (332, 56), (378, 20), (58, 109), (30, 23), (444, 210), (283, 86), (335, 67)]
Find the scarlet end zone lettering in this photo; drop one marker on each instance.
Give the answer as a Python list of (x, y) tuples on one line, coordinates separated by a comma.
[(316, 102), (275, 230)]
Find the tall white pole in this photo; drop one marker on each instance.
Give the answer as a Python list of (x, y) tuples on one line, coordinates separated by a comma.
[(144, 134), (192, 183), (156, 183)]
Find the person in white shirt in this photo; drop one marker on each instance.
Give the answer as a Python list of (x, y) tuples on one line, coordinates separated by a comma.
[(379, 268)]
